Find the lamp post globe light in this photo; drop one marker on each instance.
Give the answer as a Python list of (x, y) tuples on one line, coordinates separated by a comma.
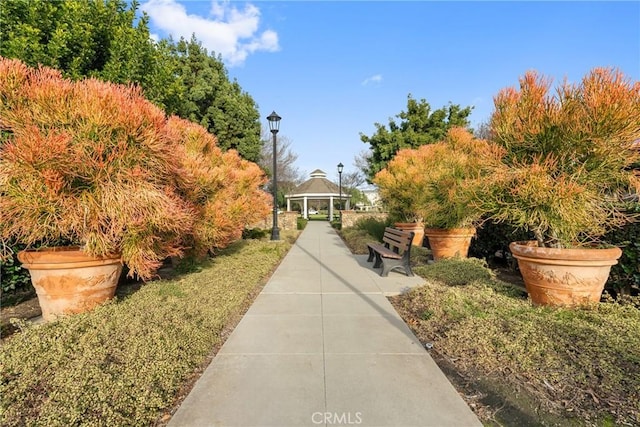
[(274, 126), (340, 167)]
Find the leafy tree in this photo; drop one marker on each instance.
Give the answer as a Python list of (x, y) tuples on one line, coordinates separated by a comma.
[(97, 38), (209, 98), (419, 125)]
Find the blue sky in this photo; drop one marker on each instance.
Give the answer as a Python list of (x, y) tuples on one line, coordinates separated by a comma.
[(332, 69)]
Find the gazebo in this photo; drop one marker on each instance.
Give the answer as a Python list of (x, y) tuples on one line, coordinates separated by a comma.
[(318, 187)]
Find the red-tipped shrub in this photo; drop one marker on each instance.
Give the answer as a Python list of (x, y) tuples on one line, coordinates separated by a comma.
[(223, 188), (87, 163), (569, 156)]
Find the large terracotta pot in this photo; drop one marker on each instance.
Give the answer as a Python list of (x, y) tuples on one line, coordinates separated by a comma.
[(416, 227), (68, 281), (564, 277), (450, 243)]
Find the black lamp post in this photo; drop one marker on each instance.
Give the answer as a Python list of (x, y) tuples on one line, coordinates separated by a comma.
[(340, 167), (274, 126)]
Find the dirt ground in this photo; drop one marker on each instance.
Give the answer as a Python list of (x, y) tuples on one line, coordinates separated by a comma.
[(24, 310)]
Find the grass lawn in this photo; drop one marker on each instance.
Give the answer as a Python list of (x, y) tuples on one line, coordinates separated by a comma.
[(517, 364), (130, 361)]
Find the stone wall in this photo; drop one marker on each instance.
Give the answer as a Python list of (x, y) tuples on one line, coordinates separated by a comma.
[(286, 221), (349, 218)]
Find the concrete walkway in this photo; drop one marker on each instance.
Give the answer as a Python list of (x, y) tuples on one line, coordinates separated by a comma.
[(322, 346)]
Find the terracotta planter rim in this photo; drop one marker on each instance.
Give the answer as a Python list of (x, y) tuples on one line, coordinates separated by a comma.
[(530, 250), (62, 257), (463, 231)]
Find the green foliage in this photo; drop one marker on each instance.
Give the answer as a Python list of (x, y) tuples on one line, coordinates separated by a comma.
[(206, 96), (374, 227), (357, 197), (124, 362), (437, 183), (493, 237), (254, 233), (626, 274), (80, 38), (418, 126), (365, 230), (13, 276), (301, 223), (568, 156), (456, 272)]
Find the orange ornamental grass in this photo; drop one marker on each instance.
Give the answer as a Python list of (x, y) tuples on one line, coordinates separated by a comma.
[(436, 182), (568, 156), (87, 163), (222, 188)]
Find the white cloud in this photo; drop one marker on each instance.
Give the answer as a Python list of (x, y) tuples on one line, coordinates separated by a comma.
[(228, 31), (375, 79)]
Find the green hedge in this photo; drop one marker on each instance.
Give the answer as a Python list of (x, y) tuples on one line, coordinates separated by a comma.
[(301, 223), (14, 278), (625, 275)]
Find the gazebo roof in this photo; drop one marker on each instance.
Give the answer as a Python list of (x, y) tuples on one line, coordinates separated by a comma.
[(317, 184)]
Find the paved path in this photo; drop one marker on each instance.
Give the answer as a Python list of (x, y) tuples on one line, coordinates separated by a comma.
[(322, 346)]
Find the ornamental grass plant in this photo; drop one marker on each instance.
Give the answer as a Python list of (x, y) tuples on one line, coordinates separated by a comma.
[(568, 157), (86, 163), (222, 188), (437, 181)]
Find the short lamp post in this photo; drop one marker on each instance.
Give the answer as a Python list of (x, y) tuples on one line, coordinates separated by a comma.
[(274, 126), (340, 167)]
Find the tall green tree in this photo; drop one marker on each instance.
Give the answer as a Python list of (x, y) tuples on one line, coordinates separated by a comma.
[(419, 125), (205, 95), (98, 38)]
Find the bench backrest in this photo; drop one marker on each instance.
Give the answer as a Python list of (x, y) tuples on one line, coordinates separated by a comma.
[(398, 240)]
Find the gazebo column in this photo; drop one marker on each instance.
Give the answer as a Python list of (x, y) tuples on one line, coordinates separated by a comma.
[(305, 209), (288, 205), (330, 208), (348, 204)]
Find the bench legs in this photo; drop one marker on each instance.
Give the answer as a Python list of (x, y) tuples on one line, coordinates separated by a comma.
[(371, 254), (378, 262), (391, 264), (374, 254), (388, 264)]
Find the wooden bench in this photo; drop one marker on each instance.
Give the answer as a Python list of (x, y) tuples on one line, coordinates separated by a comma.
[(394, 251)]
